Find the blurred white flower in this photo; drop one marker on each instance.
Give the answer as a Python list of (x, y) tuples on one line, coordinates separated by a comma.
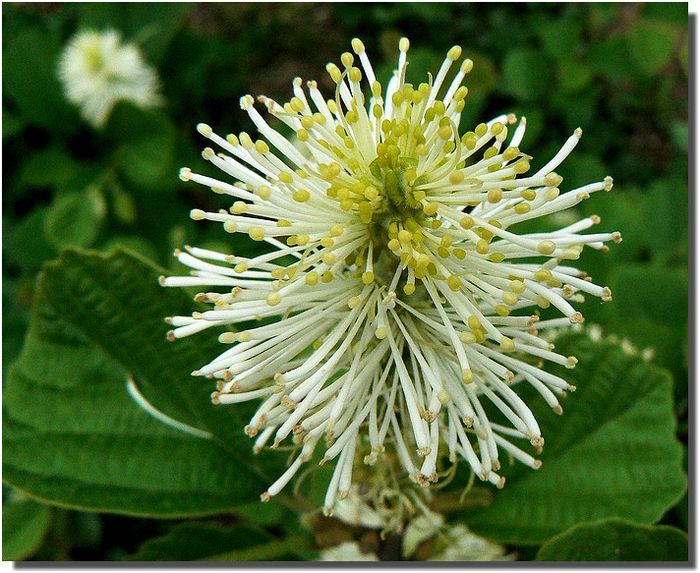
[(98, 70), (460, 544), (396, 303), (347, 551)]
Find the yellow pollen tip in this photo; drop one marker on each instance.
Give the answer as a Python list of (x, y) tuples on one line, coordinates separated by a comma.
[(273, 299), (507, 345), (546, 247), (257, 233)]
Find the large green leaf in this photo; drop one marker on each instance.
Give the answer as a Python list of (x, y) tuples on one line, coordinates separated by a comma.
[(612, 454), (72, 434), (201, 541), (616, 540), (24, 524)]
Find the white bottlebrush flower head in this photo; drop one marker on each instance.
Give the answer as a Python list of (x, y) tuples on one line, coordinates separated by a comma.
[(408, 303), (98, 70)]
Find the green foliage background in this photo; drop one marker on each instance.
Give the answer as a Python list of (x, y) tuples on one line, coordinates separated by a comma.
[(619, 71)]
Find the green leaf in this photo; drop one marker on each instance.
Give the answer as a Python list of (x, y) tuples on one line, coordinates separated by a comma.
[(24, 524), (611, 58), (152, 26), (616, 540), (574, 75), (613, 447), (27, 244), (73, 436), (652, 44), (526, 74), (201, 541), (73, 219), (30, 80), (145, 142)]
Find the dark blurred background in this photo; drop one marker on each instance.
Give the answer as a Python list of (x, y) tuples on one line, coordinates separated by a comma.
[(619, 71)]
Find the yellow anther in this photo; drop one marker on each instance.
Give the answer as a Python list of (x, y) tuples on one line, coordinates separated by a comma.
[(405, 236), (311, 278), (494, 195), (522, 208), (497, 128), (467, 376), (517, 286), (551, 194), (241, 267), (230, 226), (445, 132), (546, 247), (542, 302), (543, 275), (510, 153), (347, 59), (336, 231), (456, 177), (357, 45), (368, 277), (307, 122), (467, 66), (473, 322), (409, 288), (327, 277), (394, 245), (257, 233), (355, 75), (239, 207), (273, 299), (381, 332), (489, 153), (459, 253), (327, 242), (286, 177), (261, 147), (553, 180), (467, 337), (284, 223), (404, 44), (354, 301), (263, 192), (521, 166), (329, 258), (454, 53), (466, 222), (370, 193), (510, 298), (507, 345), (454, 282), (198, 215), (482, 247), (501, 310), (430, 209), (301, 195)]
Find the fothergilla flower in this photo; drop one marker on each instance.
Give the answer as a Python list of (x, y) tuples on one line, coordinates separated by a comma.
[(397, 297)]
